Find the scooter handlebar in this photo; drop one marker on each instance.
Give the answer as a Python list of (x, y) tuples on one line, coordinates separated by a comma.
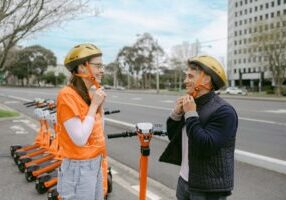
[(124, 134), (108, 112)]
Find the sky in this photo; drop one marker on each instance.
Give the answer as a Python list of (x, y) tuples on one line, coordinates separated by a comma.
[(121, 21)]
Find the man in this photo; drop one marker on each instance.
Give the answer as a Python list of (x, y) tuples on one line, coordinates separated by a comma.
[(202, 129)]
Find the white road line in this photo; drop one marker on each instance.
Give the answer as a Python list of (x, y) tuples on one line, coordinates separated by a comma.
[(139, 105), (262, 121), (279, 111), (19, 130), (149, 194)]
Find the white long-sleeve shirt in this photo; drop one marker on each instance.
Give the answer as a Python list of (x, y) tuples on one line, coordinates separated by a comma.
[(79, 131)]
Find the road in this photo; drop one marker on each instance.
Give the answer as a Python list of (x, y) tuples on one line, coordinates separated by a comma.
[(262, 131)]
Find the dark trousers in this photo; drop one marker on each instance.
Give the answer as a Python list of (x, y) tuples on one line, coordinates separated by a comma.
[(183, 193)]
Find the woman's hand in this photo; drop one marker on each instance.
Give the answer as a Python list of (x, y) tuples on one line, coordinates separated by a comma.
[(98, 98)]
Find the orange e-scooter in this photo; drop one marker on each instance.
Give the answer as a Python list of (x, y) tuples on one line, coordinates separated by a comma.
[(15, 147), (144, 131), (42, 151), (42, 140)]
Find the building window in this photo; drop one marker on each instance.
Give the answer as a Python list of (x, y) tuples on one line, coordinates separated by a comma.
[(250, 10), (266, 5), (261, 7), (240, 12), (240, 32), (278, 13), (234, 61), (278, 24), (234, 71), (236, 4), (250, 19), (272, 14), (235, 52), (235, 23), (245, 21), (266, 16), (235, 42), (241, 3), (235, 33), (255, 19), (272, 3), (249, 70), (261, 17), (235, 14), (266, 27), (278, 2), (245, 1), (250, 30), (245, 11), (255, 8), (284, 11), (240, 22), (245, 31), (244, 60)]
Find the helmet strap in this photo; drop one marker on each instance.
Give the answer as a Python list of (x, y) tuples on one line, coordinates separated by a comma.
[(199, 85), (89, 75)]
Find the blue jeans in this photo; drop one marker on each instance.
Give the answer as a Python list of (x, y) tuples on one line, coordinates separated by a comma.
[(183, 193), (80, 179)]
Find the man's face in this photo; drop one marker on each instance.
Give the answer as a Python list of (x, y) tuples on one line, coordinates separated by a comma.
[(191, 77)]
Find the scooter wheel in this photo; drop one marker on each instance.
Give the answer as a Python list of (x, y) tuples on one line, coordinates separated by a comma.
[(29, 176), (109, 183), (21, 167), (14, 148), (41, 189)]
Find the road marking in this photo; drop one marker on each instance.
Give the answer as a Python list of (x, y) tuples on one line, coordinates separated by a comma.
[(279, 111), (19, 130), (11, 102), (136, 98), (149, 194), (262, 121), (139, 105), (28, 123), (168, 101)]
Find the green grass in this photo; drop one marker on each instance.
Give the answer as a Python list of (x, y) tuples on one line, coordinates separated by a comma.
[(6, 113)]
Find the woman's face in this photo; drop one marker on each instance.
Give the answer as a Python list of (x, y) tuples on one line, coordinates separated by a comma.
[(97, 67)]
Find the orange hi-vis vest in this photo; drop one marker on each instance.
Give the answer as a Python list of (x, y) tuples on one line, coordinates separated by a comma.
[(69, 105)]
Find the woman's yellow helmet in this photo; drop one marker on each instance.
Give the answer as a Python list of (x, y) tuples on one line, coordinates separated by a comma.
[(80, 54), (211, 67)]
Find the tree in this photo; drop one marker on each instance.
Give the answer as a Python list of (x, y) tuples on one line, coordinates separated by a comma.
[(269, 49), (32, 60), (179, 56), (51, 78), (22, 18)]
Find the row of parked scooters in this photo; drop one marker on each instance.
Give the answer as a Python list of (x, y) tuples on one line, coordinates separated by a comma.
[(40, 160)]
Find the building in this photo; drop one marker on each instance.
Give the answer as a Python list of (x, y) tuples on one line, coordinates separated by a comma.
[(248, 66)]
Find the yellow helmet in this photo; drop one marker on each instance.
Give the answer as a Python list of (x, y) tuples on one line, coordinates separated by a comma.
[(213, 68), (80, 54)]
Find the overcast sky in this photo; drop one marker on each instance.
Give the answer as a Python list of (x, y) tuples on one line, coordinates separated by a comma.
[(168, 21)]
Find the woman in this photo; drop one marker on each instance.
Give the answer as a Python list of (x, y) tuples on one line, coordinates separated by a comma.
[(80, 126)]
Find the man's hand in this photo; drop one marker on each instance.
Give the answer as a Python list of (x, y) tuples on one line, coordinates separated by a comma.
[(179, 106), (189, 104)]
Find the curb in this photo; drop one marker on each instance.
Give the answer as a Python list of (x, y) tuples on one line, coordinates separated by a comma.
[(241, 156)]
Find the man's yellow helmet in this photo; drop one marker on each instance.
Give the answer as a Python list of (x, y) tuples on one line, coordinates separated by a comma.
[(79, 54), (213, 68)]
